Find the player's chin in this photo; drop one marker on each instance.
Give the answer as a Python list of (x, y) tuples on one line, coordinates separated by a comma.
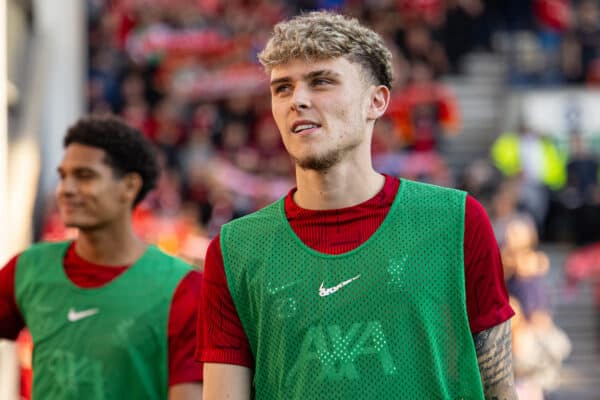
[(73, 221), (318, 162)]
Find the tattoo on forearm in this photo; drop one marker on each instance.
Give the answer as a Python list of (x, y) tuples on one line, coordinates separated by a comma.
[(494, 356)]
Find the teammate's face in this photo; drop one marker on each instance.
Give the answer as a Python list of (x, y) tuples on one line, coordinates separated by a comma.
[(90, 195), (322, 110)]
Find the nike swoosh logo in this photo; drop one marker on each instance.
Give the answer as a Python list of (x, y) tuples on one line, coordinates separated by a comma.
[(79, 315), (327, 291)]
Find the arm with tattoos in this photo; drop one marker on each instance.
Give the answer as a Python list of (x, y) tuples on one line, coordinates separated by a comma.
[(494, 355)]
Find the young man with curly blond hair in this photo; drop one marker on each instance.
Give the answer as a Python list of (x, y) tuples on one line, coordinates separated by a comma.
[(356, 285)]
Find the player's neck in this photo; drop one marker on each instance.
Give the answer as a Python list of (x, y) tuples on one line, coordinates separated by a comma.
[(344, 185), (113, 246)]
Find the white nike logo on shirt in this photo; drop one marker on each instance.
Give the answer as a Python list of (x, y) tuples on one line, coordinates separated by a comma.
[(77, 315), (327, 291)]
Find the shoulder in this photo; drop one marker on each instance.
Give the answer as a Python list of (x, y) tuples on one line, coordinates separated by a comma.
[(36, 266), (213, 252), (477, 221), (427, 195), (42, 248), (164, 267), (428, 188), (40, 254), (474, 208), (265, 218), (168, 259), (189, 288), (266, 212), (7, 274)]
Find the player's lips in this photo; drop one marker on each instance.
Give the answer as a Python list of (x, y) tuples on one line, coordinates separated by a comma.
[(69, 206), (304, 127)]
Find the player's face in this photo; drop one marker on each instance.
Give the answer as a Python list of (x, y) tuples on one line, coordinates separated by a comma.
[(90, 195), (321, 109)]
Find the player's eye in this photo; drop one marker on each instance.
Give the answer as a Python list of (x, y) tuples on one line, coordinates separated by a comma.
[(84, 174), (283, 88), (321, 81)]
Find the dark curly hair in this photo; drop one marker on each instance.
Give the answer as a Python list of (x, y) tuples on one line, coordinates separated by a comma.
[(127, 149)]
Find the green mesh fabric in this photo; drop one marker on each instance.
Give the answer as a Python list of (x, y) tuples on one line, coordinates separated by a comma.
[(385, 321), (101, 343)]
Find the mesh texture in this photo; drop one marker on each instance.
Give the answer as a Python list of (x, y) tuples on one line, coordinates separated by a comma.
[(386, 320), (119, 348)]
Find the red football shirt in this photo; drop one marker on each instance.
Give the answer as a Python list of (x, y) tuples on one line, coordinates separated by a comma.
[(182, 315), (221, 337)]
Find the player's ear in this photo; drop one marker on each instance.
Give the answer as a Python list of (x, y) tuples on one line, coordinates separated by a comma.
[(379, 100), (133, 184)]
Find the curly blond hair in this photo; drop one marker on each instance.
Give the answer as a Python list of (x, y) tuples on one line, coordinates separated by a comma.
[(321, 35)]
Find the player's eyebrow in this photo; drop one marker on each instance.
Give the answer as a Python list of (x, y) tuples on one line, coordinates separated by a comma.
[(76, 170), (327, 73), (279, 81), (307, 76)]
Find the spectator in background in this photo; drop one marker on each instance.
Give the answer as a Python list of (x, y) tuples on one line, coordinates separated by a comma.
[(538, 164), (510, 15), (198, 152), (481, 180), (584, 264), (137, 115), (526, 268), (166, 131), (459, 33), (428, 12), (553, 15), (540, 346), (235, 138), (593, 73), (526, 355), (582, 45), (588, 35), (273, 160), (504, 209), (425, 111), (582, 193), (553, 19), (417, 45), (538, 353)]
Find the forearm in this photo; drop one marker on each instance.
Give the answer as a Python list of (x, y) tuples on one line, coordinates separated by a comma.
[(494, 355), (186, 391), (226, 381)]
